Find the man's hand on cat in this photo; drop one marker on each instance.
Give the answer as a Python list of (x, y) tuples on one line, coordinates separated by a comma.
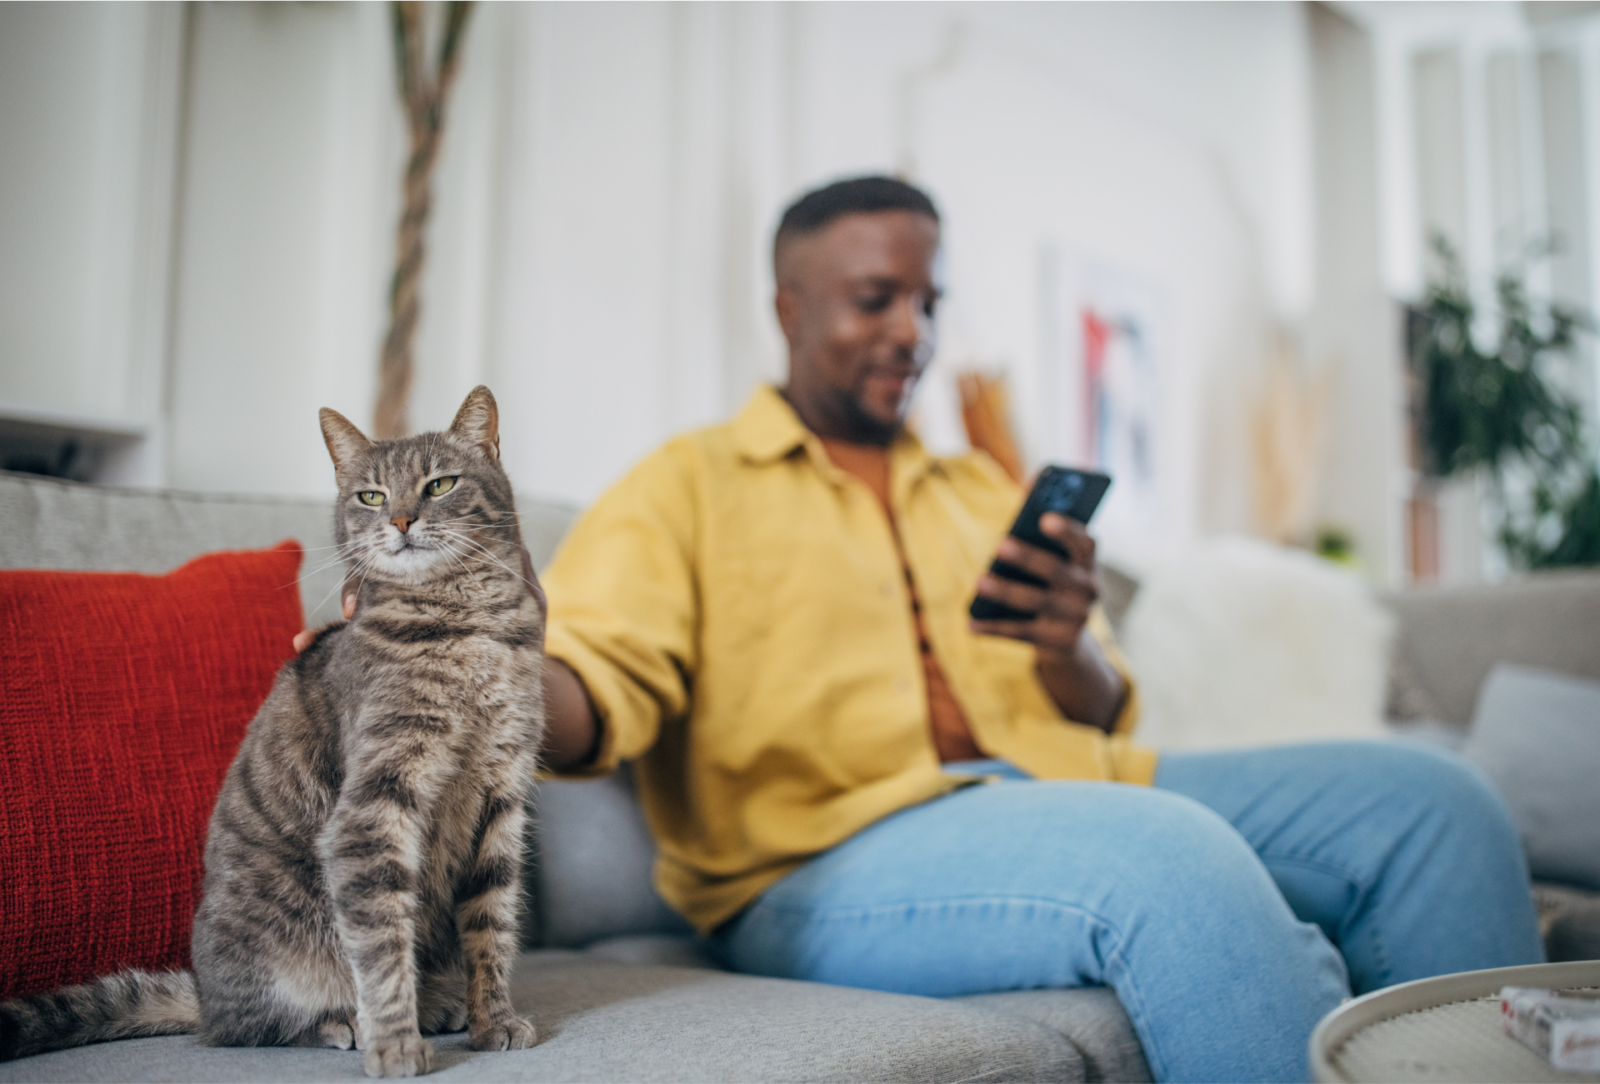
[(347, 598), (306, 637)]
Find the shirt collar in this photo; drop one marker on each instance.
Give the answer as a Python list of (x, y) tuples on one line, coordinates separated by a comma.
[(768, 429)]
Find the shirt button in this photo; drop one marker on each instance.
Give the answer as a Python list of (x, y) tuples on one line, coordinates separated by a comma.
[(886, 589), (901, 685)]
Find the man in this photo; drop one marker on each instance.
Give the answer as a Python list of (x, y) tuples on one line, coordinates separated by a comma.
[(851, 782), (770, 617)]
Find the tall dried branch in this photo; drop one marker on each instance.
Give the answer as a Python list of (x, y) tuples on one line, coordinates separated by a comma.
[(423, 95)]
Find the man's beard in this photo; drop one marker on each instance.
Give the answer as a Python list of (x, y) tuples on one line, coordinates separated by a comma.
[(871, 428)]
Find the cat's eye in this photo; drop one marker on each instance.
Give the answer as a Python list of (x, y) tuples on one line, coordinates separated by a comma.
[(371, 497), (440, 486)]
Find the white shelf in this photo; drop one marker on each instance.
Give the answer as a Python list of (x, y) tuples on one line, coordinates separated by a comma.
[(83, 448), (16, 418)]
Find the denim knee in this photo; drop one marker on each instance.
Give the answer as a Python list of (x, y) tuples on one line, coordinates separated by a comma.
[(1188, 866), (1439, 781)]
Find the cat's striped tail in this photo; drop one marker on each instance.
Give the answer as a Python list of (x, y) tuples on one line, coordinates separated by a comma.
[(132, 1005)]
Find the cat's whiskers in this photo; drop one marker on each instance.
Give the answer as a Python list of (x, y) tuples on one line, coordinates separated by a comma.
[(450, 552), (346, 553), (318, 549), (489, 555), (449, 546), (468, 523), (362, 582), (326, 595), (358, 565), (463, 529)]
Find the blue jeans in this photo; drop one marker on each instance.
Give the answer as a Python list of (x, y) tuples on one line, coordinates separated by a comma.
[(1230, 906)]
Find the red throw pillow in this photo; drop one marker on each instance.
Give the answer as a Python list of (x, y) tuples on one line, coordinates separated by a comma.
[(126, 697)]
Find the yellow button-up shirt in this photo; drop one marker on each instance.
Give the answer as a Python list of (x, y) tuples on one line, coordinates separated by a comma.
[(737, 609)]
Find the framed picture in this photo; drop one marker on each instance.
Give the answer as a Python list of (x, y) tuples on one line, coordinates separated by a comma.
[(1103, 359)]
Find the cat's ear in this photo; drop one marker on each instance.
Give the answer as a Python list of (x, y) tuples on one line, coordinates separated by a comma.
[(346, 443), (478, 422)]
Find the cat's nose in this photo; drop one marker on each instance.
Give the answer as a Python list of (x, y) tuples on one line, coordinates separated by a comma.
[(403, 522)]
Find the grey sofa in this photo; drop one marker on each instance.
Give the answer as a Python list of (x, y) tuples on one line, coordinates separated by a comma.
[(619, 988), (1450, 638)]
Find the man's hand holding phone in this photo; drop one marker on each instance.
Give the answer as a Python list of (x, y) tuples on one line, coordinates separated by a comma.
[(1041, 587), (1060, 608)]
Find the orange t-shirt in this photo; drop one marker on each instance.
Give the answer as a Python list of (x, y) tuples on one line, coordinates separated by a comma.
[(952, 735)]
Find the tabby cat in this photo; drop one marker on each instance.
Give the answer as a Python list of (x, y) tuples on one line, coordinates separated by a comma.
[(363, 862)]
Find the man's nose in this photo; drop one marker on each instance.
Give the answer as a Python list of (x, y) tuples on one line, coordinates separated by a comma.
[(403, 522), (909, 325), (911, 329)]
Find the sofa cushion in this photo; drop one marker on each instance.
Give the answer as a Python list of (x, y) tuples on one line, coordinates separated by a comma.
[(1537, 736), (662, 949), (1569, 919), (1092, 1018), (602, 1020), (595, 859), (1453, 636), (126, 699)]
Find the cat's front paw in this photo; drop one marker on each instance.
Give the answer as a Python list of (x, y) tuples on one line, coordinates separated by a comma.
[(509, 1033), (399, 1055)]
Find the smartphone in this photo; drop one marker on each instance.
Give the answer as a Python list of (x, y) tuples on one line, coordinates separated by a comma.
[(1063, 490)]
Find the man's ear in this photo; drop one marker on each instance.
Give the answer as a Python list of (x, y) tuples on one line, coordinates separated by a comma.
[(478, 421), (346, 444), (787, 306)]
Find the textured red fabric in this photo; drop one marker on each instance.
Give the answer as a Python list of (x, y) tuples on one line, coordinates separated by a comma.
[(126, 697)]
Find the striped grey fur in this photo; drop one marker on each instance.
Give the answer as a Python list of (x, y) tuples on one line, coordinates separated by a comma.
[(363, 861)]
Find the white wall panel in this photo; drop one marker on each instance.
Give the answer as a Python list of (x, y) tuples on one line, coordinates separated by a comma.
[(456, 344), (582, 374), (289, 197), (88, 117), (1352, 340)]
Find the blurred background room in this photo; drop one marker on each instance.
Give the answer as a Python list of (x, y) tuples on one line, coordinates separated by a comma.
[(1265, 262)]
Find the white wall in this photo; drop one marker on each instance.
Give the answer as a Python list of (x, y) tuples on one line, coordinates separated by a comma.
[(89, 101), (583, 377), (1352, 340), (610, 178), (288, 195)]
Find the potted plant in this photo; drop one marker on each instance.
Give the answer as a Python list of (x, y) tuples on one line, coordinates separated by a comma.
[(1507, 413)]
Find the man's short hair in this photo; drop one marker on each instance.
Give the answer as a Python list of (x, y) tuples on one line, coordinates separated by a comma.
[(858, 195)]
